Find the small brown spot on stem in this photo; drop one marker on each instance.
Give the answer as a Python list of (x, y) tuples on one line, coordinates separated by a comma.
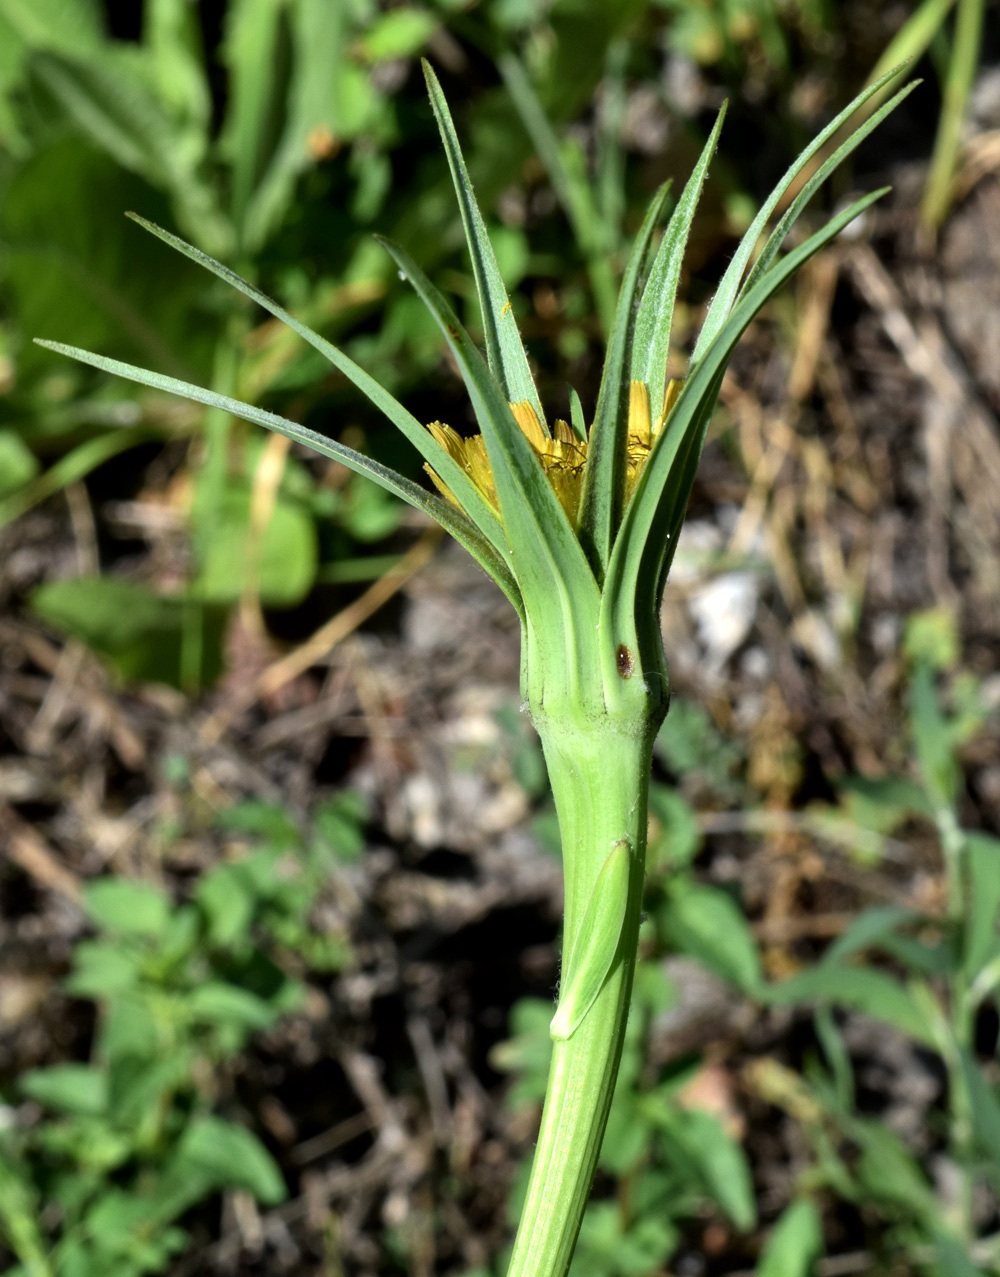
[(624, 660)]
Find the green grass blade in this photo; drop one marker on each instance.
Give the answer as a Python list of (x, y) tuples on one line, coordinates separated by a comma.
[(112, 104), (570, 184), (608, 185), (504, 350), (20, 1212), (728, 289), (553, 575), (604, 477), (318, 38), (450, 472), (452, 520), (685, 468), (791, 215), (254, 103), (962, 65), (651, 343), (913, 38), (577, 202), (652, 519)]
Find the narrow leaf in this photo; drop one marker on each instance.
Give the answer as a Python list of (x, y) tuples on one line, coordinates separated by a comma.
[(721, 1162), (596, 948), (318, 38), (112, 103), (728, 288), (646, 536), (870, 929), (982, 858), (913, 38), (71, 468), (934, 744), (451, 519), (549, 565), (254, 96), (608, 184), (653, 322), (689, 459), (604, 477), (791, 216), (452, 474), (569, 182), (504, 351)]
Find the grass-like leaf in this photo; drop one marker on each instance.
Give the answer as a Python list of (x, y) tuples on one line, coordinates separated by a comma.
[(552, 573), (452, 520), (651, 342), (649, 528), (729, 286), (504, 349), (597, 947), (792, 214), (569, 182), (450, 472), (604, 477)]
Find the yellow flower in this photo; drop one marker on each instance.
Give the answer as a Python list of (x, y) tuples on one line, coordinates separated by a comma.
[(563, 454)]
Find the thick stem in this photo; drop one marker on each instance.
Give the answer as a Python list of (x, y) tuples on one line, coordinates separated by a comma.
[(600, 779)]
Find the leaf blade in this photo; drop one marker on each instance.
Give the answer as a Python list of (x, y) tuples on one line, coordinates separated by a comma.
[(504, 350), (604, 476), (548, 561), (452, 520), (593, 236), (729, 286), (468, 495), (791, 216), (647, 535), (653, 321)]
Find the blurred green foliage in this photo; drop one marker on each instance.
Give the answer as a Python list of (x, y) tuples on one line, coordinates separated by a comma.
[(119, 1148)]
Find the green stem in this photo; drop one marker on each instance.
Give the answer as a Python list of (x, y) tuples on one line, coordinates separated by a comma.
[(600, 780), (961, 74)]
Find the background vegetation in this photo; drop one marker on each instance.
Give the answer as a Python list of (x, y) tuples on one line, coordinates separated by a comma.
[(279, 894)]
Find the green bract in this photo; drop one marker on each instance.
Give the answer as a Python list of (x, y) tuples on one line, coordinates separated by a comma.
[(578, 529)]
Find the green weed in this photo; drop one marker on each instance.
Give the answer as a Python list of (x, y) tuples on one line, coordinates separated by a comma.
[(99, 1161)]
